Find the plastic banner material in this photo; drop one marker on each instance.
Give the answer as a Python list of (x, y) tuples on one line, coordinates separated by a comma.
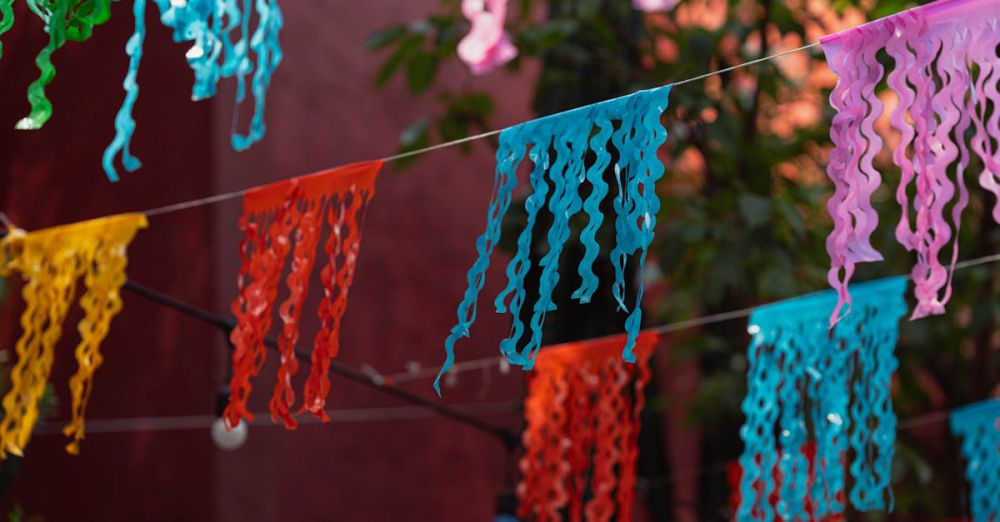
[(557, 180), (487, 46), (50, 262), (945, 76), (63, 20), (222, 45), (978, 425), (809, 383), (581, 442), (282, 219)]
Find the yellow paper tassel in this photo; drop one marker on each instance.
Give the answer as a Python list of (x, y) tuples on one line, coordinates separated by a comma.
[(51, 261)]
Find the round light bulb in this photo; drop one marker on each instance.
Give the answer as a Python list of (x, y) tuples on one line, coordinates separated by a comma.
[(232, 439)]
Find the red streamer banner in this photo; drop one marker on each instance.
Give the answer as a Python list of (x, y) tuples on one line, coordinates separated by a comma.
[(272, 216), (582, 412)]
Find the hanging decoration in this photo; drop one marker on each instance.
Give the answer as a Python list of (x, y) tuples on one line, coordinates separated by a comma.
[(804, 375), (652, 6), (581, 440), (272, 216), (222, 46), (945, 76), (50, 262), (979, 427), (734, 474), (64, 20), (487, 46), (557, 181)]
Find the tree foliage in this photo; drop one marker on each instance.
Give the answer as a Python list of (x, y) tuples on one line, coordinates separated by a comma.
[(743, 220)]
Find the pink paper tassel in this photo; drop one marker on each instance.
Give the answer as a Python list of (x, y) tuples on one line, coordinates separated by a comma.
[(487, 46), (935, 48), (652, 6)]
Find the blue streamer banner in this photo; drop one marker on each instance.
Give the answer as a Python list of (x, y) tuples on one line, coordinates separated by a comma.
[(568, 151), (801, 380), (221, 46), (979, 427)]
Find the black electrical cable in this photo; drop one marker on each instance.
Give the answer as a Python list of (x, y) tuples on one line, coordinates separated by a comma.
[(226, 324)]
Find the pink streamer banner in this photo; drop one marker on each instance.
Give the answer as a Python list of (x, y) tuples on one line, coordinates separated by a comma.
[(945, 77)]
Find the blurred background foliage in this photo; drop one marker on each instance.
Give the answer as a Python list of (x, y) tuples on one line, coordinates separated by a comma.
[(743, 220)]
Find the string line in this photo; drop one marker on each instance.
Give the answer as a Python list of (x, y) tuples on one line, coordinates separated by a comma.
[(194, 422), (448, 144), (478, 364)]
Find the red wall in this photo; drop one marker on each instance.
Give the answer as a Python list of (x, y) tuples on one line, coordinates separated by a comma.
[(322, 111)]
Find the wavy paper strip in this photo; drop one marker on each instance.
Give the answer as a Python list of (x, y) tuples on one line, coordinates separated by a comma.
[(487, 46), (222, 46), (978, 425), (51, 261), (556, 182), (945, 77), (803, 374), (274, 217), (581, 439), (64, 20)]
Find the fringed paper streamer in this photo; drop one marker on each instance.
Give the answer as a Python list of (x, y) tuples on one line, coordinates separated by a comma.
[(6, 19), (487, 46), (64, 20), (581, 440), (557, 180), (734, 474), (937, 49), (50, 262), (652, 6), (274, 215), (800, 381), (222, 46), (124, 123), (979, 427)]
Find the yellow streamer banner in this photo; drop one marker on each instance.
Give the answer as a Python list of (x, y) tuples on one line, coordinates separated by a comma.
[(50, 262)]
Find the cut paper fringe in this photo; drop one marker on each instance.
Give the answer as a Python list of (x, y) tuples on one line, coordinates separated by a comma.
[(64, 20), (556, 180), (734, 474), (222, 46), (487, 46), (272, 216), (945, 76), (800, 382), (50, 262), (581, 439), (979, 427), (652, 6)]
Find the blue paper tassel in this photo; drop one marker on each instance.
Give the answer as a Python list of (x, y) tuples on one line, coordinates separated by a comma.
[(558, 146), (124, 123), (210, 26), (979, 426), (800, 382)]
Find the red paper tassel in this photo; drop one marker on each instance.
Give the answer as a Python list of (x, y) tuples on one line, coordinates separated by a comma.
[(272, 216), (582, 413)]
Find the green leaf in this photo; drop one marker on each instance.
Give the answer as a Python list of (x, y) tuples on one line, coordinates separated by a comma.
[(756, 210), (420, 72), (391, 65), (380, 39)]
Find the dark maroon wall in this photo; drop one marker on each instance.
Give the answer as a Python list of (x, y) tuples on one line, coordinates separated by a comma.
[(322, 111)]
